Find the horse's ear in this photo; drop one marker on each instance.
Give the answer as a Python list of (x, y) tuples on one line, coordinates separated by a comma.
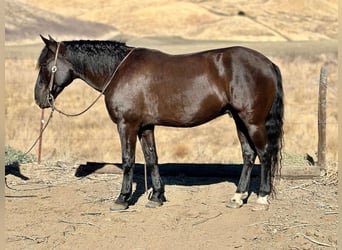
[(51, 39), (51, 44), (45, 40)]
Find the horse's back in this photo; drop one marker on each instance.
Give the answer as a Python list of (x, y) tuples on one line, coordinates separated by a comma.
[(188, 89)]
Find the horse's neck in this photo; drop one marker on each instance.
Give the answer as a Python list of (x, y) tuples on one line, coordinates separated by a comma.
[(99, 78), (96, 81)]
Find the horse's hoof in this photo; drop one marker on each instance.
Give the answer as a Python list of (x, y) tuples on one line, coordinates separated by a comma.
[(119, 207), (261, 204), (260, 207), (234, 203), (154, 204), (262, 200), (237, 200)]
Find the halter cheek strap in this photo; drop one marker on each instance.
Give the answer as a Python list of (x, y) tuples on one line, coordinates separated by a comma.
[(53, 71)]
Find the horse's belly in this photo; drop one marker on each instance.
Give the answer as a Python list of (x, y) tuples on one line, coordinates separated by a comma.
[(189, 113)]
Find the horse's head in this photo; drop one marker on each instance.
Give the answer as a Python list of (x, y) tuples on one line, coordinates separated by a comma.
[(55, 73)]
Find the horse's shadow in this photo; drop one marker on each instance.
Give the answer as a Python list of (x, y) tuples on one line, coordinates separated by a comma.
[(181, 174), (14, 169)]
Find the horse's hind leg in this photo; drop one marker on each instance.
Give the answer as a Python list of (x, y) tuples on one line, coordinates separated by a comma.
[(249, 155), (148, 145), (258, 136)]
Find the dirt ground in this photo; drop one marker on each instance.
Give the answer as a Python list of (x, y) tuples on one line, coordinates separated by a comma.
[(48, 207)]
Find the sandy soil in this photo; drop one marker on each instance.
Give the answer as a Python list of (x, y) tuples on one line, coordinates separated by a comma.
[(53, 209)]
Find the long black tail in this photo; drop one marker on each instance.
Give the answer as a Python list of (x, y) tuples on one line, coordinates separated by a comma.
[(274, 128)]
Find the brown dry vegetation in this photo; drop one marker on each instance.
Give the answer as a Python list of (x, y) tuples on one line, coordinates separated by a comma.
[(93, 136), (285, 20), (213, 20)]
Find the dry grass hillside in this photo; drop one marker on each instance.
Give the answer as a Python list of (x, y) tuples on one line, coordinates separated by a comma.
[(24, 23), (242, 20), (93, 137)]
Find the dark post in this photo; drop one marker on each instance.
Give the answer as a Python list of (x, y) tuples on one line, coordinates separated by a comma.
[(323, 84)]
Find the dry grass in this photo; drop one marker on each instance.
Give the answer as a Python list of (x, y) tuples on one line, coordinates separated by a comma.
[(93, 137), (280, 20), (301, 82)]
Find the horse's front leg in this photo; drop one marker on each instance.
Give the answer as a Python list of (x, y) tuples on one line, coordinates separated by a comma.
[(128, 137), (148, 145)]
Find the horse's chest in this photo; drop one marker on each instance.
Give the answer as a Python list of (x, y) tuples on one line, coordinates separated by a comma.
[(124, 104)]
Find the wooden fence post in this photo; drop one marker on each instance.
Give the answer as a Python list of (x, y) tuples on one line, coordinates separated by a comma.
[(322, 101)]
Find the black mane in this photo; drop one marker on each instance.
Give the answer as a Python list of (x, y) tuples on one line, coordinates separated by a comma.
[(96, 56), (93, 55)]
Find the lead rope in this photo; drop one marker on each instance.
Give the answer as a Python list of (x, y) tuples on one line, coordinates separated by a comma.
[(40, 133), (53, 106), (145, 179), (51, 99), (53, 72)]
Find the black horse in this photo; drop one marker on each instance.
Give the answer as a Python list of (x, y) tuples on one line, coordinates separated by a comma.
[(144, 88)]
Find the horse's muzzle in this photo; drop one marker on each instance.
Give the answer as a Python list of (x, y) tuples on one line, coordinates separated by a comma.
[(44, 102)]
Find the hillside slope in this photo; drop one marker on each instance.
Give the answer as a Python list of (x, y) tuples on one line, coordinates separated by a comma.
[(24, 23), (240, 20)]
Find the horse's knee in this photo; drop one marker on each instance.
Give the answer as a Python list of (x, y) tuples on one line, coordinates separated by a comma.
[(249, 156), (127, 164), (151, 157)]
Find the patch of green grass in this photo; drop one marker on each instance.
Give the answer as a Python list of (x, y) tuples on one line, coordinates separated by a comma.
[(295, 159), (13, 156)]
